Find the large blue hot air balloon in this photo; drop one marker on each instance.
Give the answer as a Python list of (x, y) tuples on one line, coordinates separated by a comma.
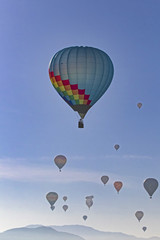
[(81, 75)]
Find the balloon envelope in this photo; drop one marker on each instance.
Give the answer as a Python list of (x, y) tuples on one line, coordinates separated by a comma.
[(150, 185), (139, 215), (65, 207), (60, 161), (52, 198), (81, 75), (65, 198), (118, 185), (85, 217), (144, 229), (104, 179), (116, 146), (89, 202), (139, 105)]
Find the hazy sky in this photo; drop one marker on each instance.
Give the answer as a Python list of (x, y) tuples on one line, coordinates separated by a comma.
[(36, 124)]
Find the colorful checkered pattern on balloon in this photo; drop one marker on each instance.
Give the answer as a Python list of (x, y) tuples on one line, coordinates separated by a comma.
[(70, 92)]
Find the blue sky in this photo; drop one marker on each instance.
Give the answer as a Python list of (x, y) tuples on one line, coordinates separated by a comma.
[(36, 124)]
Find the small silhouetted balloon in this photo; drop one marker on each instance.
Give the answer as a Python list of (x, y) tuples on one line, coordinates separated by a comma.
[(118, 185), (150, 185), (65, 207), (139, 215), (52, 198), (65, 198), (60, 161), (139, 105), (116, 146), (144, 229), (89, 202), (85, 217), (104, 179)]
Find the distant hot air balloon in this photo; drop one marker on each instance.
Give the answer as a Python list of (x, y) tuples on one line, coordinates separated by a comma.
[(104, 179), (65, 198), (89, 201), (65, 207), (60, 161), (150, 185), (118, 185), (85, 217), (116, 146), (139, 215), (52, 198), (144, 229), (139, 105), (81, 75)]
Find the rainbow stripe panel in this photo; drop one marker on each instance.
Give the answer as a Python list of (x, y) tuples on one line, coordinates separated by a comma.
[(69, 92)]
